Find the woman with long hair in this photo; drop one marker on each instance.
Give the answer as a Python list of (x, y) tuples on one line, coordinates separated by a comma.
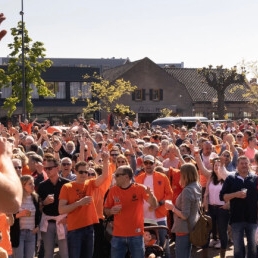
[(217, 209), (185, 209), (25, 228)]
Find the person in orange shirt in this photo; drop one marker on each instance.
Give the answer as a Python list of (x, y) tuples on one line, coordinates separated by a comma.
[(125, 202), (160, 186), (26, 126), (76, 200), (5, 222)]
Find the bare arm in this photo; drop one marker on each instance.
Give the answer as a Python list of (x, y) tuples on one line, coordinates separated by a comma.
[(64, 208), (10, 185), (230, 196), (100, 179), (204, 171), (170, 206)]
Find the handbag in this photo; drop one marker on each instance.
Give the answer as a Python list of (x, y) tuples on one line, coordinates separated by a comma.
[(199, 235)]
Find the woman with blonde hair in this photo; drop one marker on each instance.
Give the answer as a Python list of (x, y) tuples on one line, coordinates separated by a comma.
[(25, 227), (185, 209)]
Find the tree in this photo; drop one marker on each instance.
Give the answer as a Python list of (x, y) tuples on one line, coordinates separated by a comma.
[(33, 69), (251, 93), (220, 79), (165, 112), (105, 96)]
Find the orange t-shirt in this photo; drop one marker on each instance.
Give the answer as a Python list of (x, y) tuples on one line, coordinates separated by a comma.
[(82, 216), (26, 128), (130, 220), (26, 170), (174, 179), (5, 229)]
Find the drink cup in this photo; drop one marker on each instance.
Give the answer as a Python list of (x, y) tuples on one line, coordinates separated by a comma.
[(244, 190), (52, 197), (196, 149)]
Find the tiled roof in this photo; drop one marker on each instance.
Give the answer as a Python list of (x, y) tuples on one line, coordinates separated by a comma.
[(196, 85), (117, 72)]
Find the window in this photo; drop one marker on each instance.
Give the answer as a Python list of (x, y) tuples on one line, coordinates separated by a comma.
[(247, 114), (58, 88), (80, 90), (156, 95), (138, 95), (230, 115)]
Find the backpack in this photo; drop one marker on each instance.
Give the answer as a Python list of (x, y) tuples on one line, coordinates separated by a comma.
[(200, 234)]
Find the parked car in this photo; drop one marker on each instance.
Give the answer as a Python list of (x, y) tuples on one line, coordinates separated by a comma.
[(188, 121)]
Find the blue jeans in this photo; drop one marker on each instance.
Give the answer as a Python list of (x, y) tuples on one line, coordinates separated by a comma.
[(183, 246), (163, 238), (238, 230), (26, 248), (220, 218), (120, 245), (49, 240), (81, 242)]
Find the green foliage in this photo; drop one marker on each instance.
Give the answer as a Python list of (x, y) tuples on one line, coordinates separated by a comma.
[(104, 96), (33, 70), (251, 93), (220, 79), (165, 112)]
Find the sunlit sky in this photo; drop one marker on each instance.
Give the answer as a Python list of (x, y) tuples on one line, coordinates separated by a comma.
[(196, 32)]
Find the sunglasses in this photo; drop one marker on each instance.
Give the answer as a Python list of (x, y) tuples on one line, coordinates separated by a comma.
[(83, 172), (239, 136), (120, 161), (66, 164), (18, 167), (114, 155), (226, 156), (148, 163), (118, 175), (91, 174), (49, 168)]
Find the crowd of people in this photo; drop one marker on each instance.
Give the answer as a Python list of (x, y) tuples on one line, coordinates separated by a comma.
[(63, 183)]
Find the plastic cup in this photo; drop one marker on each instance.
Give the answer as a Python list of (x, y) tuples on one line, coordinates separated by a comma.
[(244, 190), (196, 149)]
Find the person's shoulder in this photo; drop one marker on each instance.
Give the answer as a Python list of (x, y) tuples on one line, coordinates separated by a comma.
[(63, 180)]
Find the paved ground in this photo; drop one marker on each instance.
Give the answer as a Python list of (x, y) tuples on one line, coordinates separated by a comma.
[(213, 253), (196, 253)]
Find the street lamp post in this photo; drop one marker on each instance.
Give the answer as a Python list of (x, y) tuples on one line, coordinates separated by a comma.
[(204, 103), (23, 67)]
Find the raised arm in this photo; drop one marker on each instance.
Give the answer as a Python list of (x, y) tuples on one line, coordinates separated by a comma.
[(10, 185)]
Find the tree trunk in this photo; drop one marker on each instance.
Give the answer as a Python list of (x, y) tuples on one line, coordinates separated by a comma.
[(221, 105)]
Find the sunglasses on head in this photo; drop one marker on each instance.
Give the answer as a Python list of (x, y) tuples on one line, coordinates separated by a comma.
[(148, 163)]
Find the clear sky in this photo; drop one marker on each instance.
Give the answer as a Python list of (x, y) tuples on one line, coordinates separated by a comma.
[(196, 32)]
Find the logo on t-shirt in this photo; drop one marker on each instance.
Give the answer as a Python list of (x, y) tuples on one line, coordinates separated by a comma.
[(134, 198)]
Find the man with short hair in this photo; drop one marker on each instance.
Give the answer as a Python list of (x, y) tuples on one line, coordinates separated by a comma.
[(76, 201), (125, 202), (240, 189), (66, 169), (159, 184), (52, 223)]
